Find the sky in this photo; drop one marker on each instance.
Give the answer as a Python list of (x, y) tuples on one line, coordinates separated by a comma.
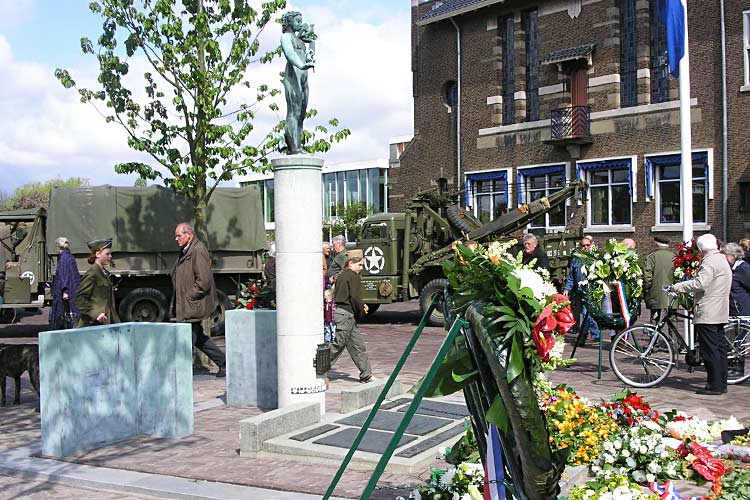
[(362, 77)]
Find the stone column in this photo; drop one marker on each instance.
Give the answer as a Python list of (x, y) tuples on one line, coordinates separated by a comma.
[(299, 277)]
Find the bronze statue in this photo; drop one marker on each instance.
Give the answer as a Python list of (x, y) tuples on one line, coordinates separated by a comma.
[(300, 57)]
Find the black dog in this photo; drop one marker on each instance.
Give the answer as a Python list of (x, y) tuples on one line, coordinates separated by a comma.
[(14, 360)]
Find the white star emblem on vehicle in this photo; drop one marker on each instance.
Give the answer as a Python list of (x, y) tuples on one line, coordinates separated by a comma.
[(374, 260)]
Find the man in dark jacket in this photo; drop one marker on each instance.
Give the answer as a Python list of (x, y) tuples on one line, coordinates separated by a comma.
[(339, 257), (194, 296), (531, 251), (574, 290)]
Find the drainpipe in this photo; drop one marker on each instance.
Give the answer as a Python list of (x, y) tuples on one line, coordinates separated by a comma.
[(724, 140), (459, 184)]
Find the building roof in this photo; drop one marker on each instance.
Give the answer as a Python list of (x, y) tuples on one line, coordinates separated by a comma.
[(445, 9), (569, 54)]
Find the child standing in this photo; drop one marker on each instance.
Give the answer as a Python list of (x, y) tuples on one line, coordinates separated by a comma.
[(329, 307)]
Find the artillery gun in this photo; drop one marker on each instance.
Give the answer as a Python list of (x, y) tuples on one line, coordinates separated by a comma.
[(404, 252)]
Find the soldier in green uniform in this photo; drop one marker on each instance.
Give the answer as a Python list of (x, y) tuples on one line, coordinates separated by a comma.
[(349, 305), (658, 272), (96, 296)]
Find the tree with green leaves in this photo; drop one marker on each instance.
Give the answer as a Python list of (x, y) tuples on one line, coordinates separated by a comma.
[(199, 54), (36, 194)]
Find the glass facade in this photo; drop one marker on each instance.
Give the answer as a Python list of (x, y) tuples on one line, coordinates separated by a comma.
[(338, 189)]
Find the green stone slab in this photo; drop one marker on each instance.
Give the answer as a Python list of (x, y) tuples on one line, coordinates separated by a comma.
[(373, 441), (431, 442), (314, 432), (390, 420)]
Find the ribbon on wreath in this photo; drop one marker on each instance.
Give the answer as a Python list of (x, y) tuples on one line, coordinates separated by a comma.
[(667, 491), (494, 477), (623, 302)]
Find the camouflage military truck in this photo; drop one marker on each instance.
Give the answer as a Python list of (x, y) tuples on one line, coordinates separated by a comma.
[(141, 223), (404, 252)]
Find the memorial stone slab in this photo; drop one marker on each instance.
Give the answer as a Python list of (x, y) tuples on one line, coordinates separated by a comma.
[(420, 425), (373, 441), (430, 442), (440, 409), (106, 383)]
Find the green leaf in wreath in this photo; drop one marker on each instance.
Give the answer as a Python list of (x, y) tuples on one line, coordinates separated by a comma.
[(498, 415), (457, 377), (515, 363)]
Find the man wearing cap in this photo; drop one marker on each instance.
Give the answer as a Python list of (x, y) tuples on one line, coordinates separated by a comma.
[(658, 272), (194, 296), (96, 295), (349, 306)]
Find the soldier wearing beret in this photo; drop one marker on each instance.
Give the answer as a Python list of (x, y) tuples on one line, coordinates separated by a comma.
[(349, 305), (194, 296), (96, 295)]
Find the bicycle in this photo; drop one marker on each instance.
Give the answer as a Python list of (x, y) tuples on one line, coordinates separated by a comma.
[(644, 355)]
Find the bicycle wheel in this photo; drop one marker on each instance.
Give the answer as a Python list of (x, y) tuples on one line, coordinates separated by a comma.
[(641, 356), (738, 336)]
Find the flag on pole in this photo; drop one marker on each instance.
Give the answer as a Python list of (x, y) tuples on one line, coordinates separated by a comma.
[(494, 477), (672, 14)]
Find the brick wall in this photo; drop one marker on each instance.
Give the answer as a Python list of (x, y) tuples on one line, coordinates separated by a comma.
[(432, 153)]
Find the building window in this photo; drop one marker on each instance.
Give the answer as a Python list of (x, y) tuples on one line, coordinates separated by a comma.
[(509, 84), (449, 94), (628, 54), (487, 193), (610, 191), (659, 63), (746, 44), (536, 183), (665, 172), (744, 186), (530, 26), (668, 194)]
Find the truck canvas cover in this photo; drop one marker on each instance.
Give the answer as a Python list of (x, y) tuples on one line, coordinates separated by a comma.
[(142, 219)]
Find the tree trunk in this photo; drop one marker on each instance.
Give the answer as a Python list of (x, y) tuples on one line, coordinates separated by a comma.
[(200, 211)]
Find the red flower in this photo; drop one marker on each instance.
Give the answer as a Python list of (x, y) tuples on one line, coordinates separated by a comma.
[(543, 333), (249, 306)]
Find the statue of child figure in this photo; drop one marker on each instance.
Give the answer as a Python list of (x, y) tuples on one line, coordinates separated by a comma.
[(294, 39)]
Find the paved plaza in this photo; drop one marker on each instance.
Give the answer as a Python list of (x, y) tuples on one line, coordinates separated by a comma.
[(191, 466)]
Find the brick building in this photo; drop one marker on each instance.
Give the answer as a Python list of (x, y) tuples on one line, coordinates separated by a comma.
[(557, 89)]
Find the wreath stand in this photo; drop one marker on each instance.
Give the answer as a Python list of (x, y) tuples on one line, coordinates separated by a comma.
[(605, 321)]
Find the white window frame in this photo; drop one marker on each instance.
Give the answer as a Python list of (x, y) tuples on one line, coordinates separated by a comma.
[(653, 181), (567, 174), (508, 180), (611, 228)]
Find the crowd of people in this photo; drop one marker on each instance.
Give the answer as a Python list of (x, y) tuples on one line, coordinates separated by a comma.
[(720, 290), (90, 300)]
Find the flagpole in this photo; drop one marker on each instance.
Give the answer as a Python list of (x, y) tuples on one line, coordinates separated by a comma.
[(686, 143), (686, 160)]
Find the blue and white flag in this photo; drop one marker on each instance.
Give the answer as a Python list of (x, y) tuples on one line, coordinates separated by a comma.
[(494, 478), (672, 14)]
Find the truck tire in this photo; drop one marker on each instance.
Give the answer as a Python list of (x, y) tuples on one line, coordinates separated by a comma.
[(217, 318), (144, 304), (455, 216), (427, 295)]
